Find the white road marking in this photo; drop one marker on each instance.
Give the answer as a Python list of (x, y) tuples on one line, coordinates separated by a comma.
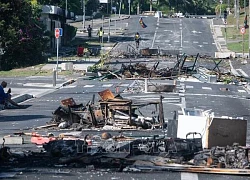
[(107, 85), (87, 86), (195, 42), (189, 87), (167, 40), (242, 72), (168, 30), (38, 84), (241, 91), (189, 176), (207, 88), (69, 86), (157, 41), (186, 41), (205, 42), (124, 85), (153, 40), (177, 41)]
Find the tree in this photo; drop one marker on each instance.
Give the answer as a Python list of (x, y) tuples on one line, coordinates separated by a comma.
[(21, 34)]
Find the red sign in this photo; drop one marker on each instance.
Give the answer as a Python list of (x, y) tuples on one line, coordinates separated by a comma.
[(242, 30), (57, 33)]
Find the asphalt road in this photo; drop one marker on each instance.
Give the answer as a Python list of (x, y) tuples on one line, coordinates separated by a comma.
[(76, 173), (234, 102), (186, 35), (197, 94)]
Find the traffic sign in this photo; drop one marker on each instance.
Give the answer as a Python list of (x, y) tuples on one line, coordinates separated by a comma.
[(61, 31), (242, 30), (57, 33)]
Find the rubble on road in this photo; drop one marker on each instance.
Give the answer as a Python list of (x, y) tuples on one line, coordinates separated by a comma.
[(133, 154), (183, 66), (110, 110)]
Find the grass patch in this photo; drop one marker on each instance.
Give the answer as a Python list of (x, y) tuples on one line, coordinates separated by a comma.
[(238, 47), (31, 71), (234, 37)]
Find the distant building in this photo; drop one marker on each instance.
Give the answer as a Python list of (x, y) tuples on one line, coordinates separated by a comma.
[(55, 17)]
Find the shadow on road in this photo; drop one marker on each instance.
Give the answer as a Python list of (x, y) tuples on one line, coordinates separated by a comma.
[(21, 118)]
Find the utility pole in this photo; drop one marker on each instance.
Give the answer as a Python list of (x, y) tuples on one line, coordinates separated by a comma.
[(249, 30), (66, 10), (129, 2), (237, 14), (111, 4), (102, 29), (138, 9), (109, 31), (115, 21), (235, 8), (220, 7), (245, 12), (120, 6), (83, 15), (150, 6)]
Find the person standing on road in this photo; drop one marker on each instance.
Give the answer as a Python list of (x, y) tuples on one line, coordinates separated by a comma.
[(5, 98), (100, 34), (89, 29), (137, 40)]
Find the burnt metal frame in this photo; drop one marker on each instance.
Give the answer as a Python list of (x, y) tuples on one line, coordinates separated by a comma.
[(217, 65)]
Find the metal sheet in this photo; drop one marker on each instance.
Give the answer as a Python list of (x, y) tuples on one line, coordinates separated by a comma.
[(106, 94)]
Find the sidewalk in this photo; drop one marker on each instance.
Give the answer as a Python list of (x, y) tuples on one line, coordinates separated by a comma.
[(96, 23), (25, 88), (219, 40)]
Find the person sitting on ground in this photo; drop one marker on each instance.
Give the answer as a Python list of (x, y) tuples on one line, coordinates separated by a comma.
[(5, 98)]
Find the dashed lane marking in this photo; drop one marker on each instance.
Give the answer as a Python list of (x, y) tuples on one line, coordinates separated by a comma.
[(38, 85), (87, 86), (207, 88), (123, 85), (189, 87), (241, 91), (195, 42), (107, 85), (69, 86)]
